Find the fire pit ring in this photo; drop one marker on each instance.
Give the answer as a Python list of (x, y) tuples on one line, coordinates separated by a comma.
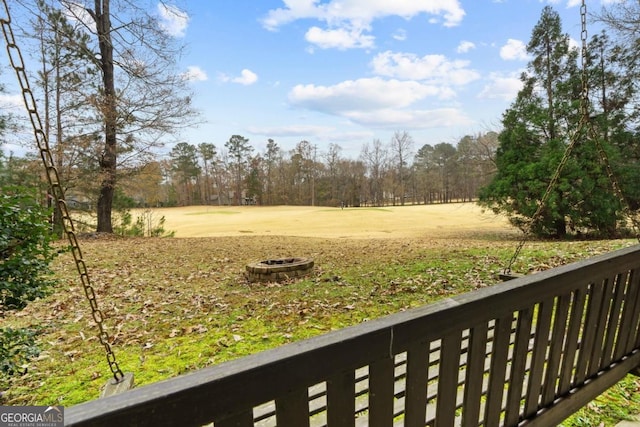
[(279, 269)]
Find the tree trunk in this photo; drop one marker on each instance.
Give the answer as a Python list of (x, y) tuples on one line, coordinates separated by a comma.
[(109, 112), (561, 228)]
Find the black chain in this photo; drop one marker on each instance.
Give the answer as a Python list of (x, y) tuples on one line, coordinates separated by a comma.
[(57, 192)]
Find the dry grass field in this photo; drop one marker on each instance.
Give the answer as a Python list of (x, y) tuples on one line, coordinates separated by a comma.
[(447, 220)]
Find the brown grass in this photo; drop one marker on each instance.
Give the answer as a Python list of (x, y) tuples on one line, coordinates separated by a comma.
[(436, 221)]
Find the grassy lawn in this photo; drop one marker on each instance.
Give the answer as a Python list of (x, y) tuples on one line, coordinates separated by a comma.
[(179, 304)]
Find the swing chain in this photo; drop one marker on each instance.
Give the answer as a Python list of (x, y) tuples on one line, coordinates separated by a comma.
[(55, 187)]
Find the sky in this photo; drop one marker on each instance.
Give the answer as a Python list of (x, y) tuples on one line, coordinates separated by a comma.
[(347, 72)]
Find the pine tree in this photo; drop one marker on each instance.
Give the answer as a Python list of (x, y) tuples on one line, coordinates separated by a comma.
[(537, 129)]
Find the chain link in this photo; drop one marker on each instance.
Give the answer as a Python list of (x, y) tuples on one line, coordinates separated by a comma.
[(17, 63)]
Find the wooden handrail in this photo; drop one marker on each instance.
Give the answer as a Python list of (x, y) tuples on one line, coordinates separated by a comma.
[(530, 351)]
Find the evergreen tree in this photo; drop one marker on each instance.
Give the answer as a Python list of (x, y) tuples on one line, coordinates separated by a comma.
[(184, 158), (254, 180), (271, 156), (537, 130), (613, 76), (209, 154), (239, 157)]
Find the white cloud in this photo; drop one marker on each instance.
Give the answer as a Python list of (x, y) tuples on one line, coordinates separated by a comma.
[(195, 74), (505, 87), (354, 17), (436, 68), (362, 11), (514, 50), (379, 103), (173, 20), (76, 12), (340, 38), (575, 44), (400, 35), (11, 101), (246, 78), (363, 94), (465, 46), (411, 119), (291, 130), (293, 10)]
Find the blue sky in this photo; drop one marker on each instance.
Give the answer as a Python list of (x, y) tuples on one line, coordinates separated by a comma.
[(350, 71)]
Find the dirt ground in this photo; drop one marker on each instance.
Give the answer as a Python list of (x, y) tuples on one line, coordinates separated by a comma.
[(352, 223)]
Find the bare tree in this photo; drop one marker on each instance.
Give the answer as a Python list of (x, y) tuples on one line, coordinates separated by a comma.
[(240, 154), (271, 156), (624, 19), (375, 160), (332, 157), (138, 95), (401, 147)]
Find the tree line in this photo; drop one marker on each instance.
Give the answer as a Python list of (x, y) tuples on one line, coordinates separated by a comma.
[(392, 173)]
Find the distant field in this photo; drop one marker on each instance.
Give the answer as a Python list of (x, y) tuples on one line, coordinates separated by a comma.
[(384, 222)]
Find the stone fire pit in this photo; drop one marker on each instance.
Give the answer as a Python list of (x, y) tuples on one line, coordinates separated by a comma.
[(278, 270)]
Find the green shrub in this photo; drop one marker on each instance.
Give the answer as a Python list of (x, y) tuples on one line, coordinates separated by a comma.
[(25, 254), (145, 224), (17, 346), (25, 250)]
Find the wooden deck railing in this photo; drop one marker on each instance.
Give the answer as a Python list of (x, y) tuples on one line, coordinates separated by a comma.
[(530, 351)]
